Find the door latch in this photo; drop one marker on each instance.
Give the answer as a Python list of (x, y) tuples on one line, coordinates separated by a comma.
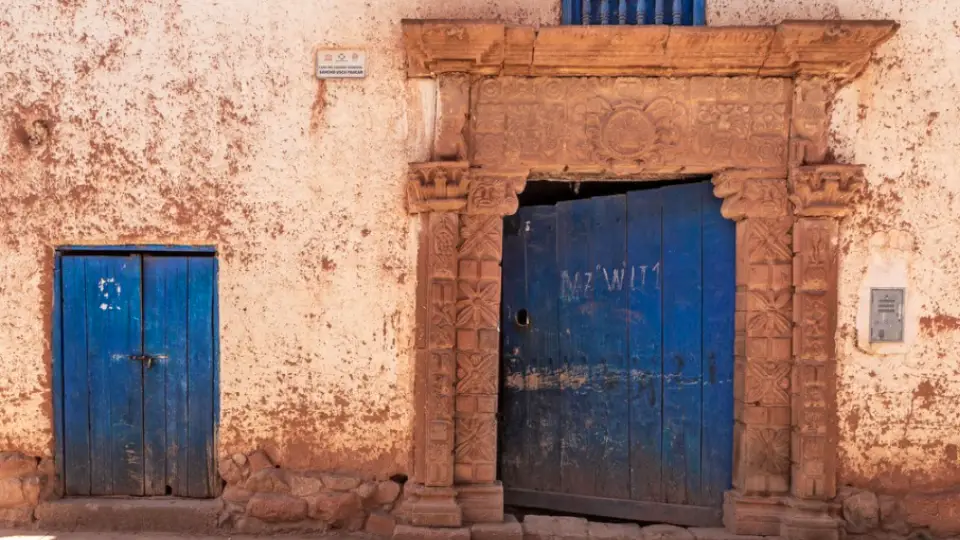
[(147, 359)]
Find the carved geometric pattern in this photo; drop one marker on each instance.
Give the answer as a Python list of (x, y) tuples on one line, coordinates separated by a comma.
[(768, 450), (444, 237), (768, 383), (477, 373), (768, 240), (442, 306), (476, 438), (478, 304), (769, 314), (634, 124), (482, 236)]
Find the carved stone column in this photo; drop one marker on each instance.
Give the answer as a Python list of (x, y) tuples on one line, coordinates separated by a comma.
[(458, 340), (438, 190), (821, 195), (761, 468), (491, 196)]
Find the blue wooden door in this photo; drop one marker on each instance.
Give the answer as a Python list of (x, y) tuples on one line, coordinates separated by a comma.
[(137, 363), (618, 325)]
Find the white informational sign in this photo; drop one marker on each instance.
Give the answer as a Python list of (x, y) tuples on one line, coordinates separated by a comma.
[(341, 64)]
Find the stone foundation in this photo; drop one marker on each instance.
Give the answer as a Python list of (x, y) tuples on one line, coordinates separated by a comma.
[(24, 482), (261, 498), (914, 515)]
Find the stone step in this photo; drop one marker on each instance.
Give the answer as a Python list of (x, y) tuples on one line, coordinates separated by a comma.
[(161, 514)]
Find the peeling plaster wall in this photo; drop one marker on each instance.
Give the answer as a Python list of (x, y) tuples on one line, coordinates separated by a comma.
[(200, 121), (899, 405)]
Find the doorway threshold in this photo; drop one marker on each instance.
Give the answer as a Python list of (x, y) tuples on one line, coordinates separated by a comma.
[(130, 514)]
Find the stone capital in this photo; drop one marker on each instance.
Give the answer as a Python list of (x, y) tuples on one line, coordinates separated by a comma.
[(452, 186), (751, 194), (825, 190), (438, 186)]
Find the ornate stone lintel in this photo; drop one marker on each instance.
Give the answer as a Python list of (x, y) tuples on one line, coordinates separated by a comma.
[(751, 194), (812, 48), (825, 190), (438, 186)]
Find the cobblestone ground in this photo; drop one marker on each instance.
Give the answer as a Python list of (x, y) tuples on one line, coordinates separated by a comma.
[(37, 535)]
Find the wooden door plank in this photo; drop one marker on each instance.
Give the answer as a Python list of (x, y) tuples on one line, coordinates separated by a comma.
[(644, 244), (543, 284), (609, 364), (682, 316), (76, 430), (165, 383), (575, 234), (200, 354), (113, 293), (513, 365), (719, 289)]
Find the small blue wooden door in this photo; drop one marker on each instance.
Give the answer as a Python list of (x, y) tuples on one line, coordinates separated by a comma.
[(137, 364), (618, 328)]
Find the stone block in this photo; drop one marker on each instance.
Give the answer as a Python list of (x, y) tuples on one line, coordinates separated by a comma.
[(275, 507), (665, 532), (31, 486), (409, 532), (387, 492), (380, 524), (338, 509), (11, 492), (938, 511), (509, 529), (14, 464), (258, 461), (15, 517), (366, 491), (231, 473), (304, 484), (718, 533), (234, 494), (554, 528), (267, 481), (340, 483), (892, 517), (613, 531), (861, 512)]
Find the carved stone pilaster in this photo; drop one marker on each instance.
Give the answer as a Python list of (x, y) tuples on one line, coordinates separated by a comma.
[(762, 363), (825, 190), (809, 127), (490, 197)]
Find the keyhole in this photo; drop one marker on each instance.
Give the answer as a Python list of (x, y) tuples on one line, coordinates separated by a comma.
[(523, 318)]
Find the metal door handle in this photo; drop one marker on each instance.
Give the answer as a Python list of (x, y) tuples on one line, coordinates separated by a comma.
[(146, 358)]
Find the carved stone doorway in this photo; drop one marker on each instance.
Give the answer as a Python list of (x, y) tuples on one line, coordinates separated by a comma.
[(749, 106)]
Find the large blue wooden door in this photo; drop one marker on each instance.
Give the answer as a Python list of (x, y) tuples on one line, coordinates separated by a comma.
[(137, 363), (618, 325)]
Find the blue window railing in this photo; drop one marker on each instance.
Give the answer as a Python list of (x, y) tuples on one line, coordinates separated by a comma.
[(679, 12)]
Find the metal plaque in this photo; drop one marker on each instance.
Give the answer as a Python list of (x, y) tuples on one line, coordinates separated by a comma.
[(886, 315), (341, 64)]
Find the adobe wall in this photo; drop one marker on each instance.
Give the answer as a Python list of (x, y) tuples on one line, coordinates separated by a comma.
[(200, 122)]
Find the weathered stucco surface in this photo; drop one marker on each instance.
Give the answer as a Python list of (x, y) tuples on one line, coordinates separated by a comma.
[(898, 404), (201, 122)]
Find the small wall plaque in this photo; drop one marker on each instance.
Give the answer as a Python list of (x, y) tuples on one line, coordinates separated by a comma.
[(341, 64), (886, 315)]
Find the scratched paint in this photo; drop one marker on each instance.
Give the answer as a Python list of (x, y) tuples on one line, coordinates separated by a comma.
[(897, 404), (201, 123)]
